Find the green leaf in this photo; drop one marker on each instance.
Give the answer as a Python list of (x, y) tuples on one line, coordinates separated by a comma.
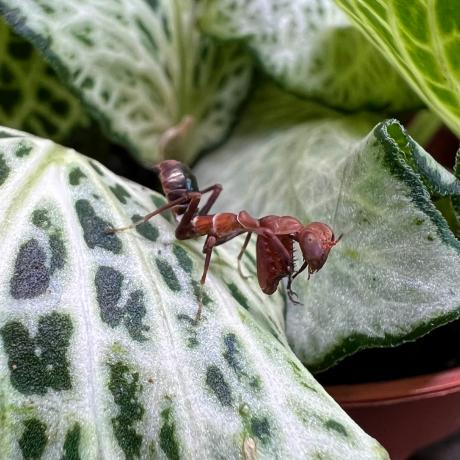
[(392, 277), (154, 82), (100, 354), (311, 48), (422, 40), (31, 96)]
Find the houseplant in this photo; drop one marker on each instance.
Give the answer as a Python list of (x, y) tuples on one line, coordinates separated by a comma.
[(143, 69)]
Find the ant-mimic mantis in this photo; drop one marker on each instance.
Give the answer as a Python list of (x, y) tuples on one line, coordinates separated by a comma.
[(275, 234)]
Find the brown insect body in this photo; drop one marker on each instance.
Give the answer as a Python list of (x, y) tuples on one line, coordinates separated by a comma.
[(220, 225), (271, 268), (176, 180), (275, 234)]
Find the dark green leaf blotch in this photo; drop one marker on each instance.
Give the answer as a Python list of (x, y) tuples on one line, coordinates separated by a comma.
[(58, 252), (71, 444), (33, 373), (231, 353), (168, 274), (75, 175), (238, 295), (33, 440), (95, 228), (40, 219), (108, 283), (120, 192), (23, 150), (153, 4), (124, 386), (147, 230), (158, 201), (31, 276), (261, 428), (6, 135), (168, 440), (336, 426), (4, 169), (183, 258), (300, 376), (96, 168), (53, 338), (134, 313), (215, 380), (200, 293), (190, 327)]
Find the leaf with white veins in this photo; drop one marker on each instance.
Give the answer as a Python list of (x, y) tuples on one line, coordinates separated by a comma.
[(422, 39), (31, 96), (311, 48), (100, 355), (392, 277), (154, 82)]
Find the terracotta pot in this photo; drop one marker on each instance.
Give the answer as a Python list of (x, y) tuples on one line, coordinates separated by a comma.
[(405, 415)]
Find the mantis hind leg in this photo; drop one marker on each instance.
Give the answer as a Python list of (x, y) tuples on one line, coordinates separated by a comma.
[(207, 249), (210, 243), (240, 255)]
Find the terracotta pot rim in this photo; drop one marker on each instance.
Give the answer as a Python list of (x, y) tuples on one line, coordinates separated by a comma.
[(395, 391)]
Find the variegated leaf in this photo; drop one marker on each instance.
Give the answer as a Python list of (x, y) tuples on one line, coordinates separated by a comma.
[(156, 84), (311, 48), (392, 277), (31, 96), (422, 39), (100, 354)]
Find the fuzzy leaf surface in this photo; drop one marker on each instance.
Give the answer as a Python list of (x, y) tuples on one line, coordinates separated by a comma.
[(312, 49), (394, 275), (422, 40), (100, 354), (156, 84)]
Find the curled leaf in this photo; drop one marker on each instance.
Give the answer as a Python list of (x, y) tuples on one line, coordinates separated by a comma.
[(393, 275)]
